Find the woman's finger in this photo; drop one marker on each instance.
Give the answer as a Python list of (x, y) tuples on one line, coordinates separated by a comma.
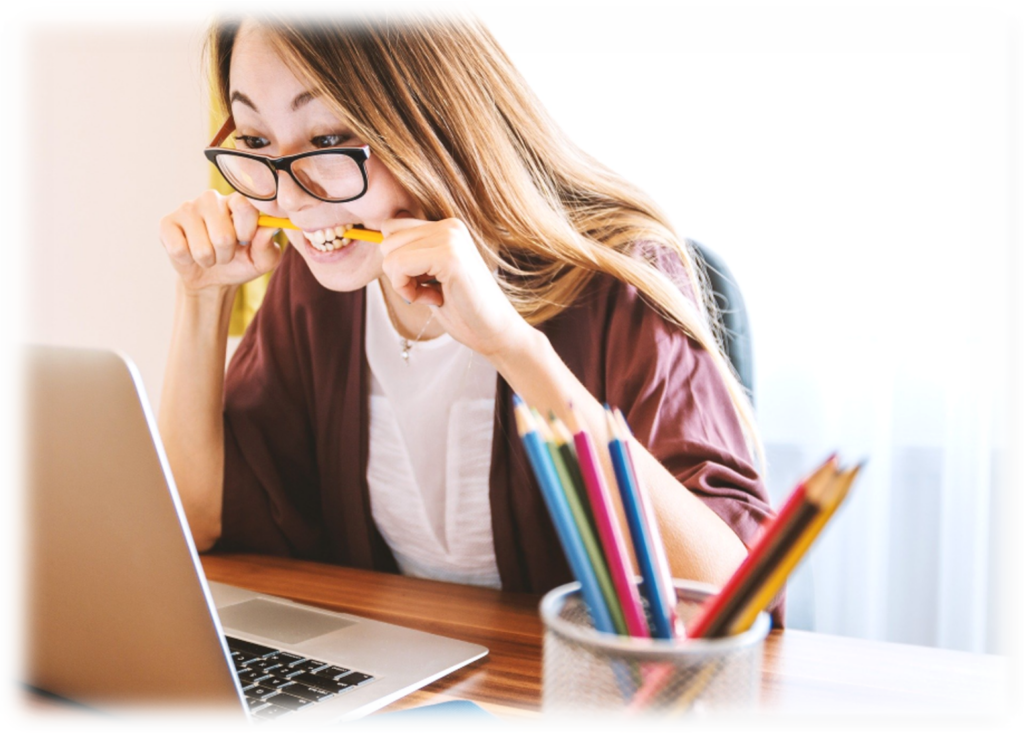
[(244, 216), (172, 236), (403, 232), (428, 293), (265, 252), (221, 231), (398, 224), (410, 267), (199, 243)]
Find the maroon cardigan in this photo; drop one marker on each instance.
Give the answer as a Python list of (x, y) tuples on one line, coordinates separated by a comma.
[(296, 422)]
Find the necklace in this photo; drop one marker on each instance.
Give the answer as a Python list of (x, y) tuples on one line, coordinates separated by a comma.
[(406, 344)]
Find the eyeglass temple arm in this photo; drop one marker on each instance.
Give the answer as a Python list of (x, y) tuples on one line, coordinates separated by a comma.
[(222, 134)]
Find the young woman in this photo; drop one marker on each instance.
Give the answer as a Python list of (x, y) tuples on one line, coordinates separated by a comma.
[(366, 417)]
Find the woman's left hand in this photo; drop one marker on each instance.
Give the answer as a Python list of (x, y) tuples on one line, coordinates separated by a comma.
[(470, 304)]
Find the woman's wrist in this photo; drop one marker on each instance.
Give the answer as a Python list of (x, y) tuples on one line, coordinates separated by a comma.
[(214, 296), (520, 348), (206, 307)]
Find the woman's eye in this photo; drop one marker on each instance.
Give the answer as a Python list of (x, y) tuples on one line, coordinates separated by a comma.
[(330, 141), (252, 142)]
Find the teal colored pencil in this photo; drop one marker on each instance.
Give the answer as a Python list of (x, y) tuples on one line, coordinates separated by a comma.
[(561, 517), (568, 471)]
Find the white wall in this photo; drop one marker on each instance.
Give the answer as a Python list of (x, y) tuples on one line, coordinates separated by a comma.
[(850, 162), (117, 128)]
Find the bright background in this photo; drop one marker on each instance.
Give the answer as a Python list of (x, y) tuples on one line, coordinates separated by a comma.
[(857, 165)]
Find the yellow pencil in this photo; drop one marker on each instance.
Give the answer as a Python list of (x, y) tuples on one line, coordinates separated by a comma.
[(832, 498), (363, 235), (697, 685)]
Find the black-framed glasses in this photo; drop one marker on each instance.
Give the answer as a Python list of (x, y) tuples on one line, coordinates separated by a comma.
[(334, 175)]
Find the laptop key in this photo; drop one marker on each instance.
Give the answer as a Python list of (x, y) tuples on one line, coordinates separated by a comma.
[(321, 683), (306, 665), (254, 703), (259, 692), (248, 676), (332, 672), (307, 693), (356, 678), (241, 645), (286, 658), (271, 711), (276, 682), (262, 665), (291, 702)]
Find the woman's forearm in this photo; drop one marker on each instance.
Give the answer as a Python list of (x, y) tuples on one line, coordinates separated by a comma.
[(191, 407), (699, 544)]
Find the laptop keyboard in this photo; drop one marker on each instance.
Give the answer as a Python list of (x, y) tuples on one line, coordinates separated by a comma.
[(276, 683)]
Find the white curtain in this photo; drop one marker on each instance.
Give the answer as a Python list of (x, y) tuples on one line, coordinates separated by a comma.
[(849, 163)]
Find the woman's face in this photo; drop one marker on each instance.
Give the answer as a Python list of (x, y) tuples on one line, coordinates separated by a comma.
[(275, 115)]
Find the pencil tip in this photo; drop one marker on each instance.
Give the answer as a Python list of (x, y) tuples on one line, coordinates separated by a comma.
[(517, 401)]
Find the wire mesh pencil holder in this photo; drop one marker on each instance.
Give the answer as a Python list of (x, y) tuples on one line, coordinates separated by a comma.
[(592, 672)]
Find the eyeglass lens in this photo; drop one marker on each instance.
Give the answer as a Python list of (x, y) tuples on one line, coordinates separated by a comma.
[(327, 176)]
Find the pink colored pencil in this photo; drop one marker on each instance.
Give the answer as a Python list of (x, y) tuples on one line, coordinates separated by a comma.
[(608, 530)]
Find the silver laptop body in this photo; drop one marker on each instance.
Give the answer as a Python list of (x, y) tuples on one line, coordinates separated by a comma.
[(120, 614)]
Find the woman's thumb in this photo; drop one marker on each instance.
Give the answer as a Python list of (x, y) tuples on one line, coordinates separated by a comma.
[(265, 251)]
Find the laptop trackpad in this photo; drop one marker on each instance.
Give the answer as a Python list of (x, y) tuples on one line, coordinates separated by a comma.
[(279, 621)]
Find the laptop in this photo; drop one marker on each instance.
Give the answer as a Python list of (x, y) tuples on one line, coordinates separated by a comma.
[(120, 615)]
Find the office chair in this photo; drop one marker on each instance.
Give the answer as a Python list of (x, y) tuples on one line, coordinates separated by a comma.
[(732, 313)]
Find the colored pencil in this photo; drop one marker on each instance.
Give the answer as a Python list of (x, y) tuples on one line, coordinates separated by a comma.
[(694, 688), (788, 540), (805, 516), (567, 449), (713, 618), (572, 488), (661, 617), (615, 550), (666, 587), (829, 500), (561, 517)]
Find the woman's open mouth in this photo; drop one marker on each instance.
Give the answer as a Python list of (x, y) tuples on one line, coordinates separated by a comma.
[(329, 239)]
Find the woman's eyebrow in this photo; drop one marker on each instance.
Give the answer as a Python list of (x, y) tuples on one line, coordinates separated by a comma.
[(300, 100), (239, 97)]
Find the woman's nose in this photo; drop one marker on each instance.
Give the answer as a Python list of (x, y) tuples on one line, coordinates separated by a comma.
[(290, 195)]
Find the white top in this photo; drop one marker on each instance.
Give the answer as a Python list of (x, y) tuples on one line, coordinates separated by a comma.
[(431, 429)]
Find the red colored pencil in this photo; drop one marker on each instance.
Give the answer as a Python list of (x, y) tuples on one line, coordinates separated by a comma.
[(712, 615)]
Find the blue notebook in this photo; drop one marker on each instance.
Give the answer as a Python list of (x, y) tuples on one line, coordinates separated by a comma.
[(457, 715)]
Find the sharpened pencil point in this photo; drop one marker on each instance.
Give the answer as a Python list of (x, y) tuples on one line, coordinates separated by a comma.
[(572, 420)]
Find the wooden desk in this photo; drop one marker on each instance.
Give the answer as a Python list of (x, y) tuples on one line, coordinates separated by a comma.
[(803, 672)]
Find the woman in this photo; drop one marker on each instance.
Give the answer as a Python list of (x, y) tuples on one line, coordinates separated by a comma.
[(366, 417)]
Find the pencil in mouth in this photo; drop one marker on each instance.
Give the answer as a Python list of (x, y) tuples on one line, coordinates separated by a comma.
[(357, 232)]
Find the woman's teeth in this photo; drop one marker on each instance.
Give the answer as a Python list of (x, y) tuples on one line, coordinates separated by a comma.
[(328, 240)]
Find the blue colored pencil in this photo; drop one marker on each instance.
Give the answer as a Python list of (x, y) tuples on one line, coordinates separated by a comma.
[(667, 587), (561, 516), (644, 539)]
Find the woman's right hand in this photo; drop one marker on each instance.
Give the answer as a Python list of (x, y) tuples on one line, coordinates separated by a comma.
[(214, 242)]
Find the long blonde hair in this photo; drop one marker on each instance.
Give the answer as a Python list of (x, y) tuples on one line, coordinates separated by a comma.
[(442, 106)]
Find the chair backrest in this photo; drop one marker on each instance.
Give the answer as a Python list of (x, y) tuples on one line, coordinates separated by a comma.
[(733, 314)]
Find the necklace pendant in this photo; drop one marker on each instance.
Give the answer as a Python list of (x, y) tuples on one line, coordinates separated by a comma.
[(405, 351)]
